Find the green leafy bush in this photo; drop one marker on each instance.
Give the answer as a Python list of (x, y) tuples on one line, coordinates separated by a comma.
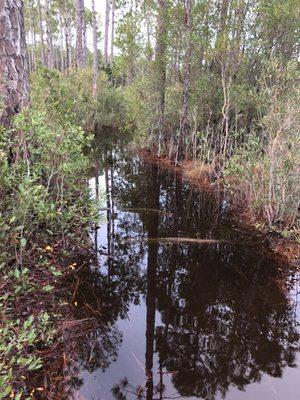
[(44, 202), (268, 164)]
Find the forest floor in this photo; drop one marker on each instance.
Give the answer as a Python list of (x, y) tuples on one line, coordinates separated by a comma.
[(281, 243), (43, 342)]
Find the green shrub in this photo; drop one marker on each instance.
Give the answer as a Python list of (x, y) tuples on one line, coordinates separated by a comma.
[(44, 201), (269, 161)]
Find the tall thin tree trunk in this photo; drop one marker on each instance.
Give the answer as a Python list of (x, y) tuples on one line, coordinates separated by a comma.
[(112, 36), (226, 83), (50, 60), (106, 29), (95, 50), (186, 82), (84, 39), (30, 64), (160, 61), (56, 58), (62, 58), (79, 33), (67, 45), (41, 31), (33, 38), (13, 60), (73, 62)]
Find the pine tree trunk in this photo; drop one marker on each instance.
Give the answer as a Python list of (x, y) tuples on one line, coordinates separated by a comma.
[(33, 41), (41, 31), (95, 51), (67, 46), (186, 82), (106, 28), (79, 33), (84, 38), (50, 61), (112, 38), (160, 63), (13, 60), (56, 58), (62, 58)]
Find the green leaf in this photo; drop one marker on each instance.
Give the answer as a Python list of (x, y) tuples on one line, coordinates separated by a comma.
[(55, 272), (31, 336), (6, 392), (48, 288), (17, 289), (35, 364), (28, 322), (17, 273), (23, 242)]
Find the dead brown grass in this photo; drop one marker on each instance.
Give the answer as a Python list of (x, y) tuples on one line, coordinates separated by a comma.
[(201, 173)]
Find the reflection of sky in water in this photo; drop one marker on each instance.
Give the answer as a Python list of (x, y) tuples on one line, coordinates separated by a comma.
[(102, 189), (209, 313)]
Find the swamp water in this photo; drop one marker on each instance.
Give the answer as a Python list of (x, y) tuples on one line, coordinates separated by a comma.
[(180, 320)]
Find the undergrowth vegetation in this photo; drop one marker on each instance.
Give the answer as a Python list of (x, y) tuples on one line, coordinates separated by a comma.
[(259, 164), (45, 211), (265, 169), (217, 83), (72, 94)]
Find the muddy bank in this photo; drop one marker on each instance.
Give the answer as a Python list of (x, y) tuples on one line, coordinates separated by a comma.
[(202, 177)]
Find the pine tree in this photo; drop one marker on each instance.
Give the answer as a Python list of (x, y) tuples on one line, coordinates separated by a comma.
[(13, 60)]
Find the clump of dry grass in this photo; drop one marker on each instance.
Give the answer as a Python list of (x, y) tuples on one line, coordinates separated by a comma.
[(200, 172)]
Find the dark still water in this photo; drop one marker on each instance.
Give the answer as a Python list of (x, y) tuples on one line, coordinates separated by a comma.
[(180, 320)]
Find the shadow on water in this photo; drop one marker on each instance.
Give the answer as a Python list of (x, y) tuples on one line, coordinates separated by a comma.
[(178, 320)]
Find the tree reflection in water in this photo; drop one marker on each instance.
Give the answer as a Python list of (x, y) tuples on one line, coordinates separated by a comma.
[(225, 314)]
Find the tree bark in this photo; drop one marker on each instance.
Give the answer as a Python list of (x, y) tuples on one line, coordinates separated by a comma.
[(34, 36), (67, 46), (13, 60), (66, 29), (79, 33), (95, 50), (33, 41), (50, 61), (226, 83), (84, 39), (160, 61), (186, 82), (106, 28), (41, 31), (62, 58), (112, 37)]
